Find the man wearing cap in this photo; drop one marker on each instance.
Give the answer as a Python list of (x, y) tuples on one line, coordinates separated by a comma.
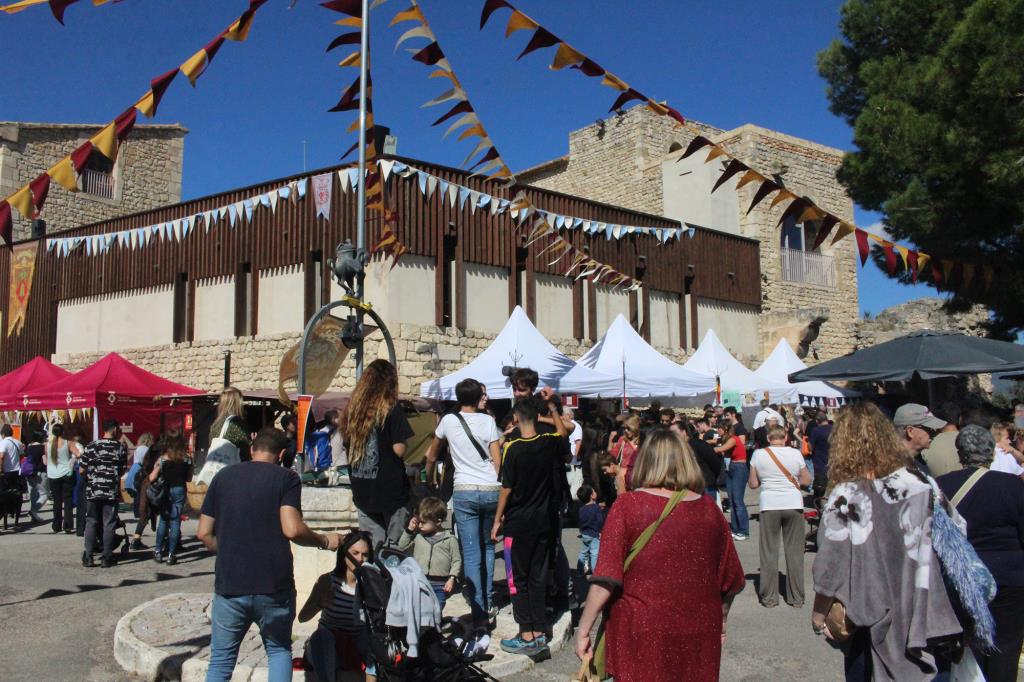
[(916, 426)]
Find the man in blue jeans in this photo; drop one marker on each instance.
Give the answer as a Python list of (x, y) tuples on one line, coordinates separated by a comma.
[(472, 438), (251, 511)]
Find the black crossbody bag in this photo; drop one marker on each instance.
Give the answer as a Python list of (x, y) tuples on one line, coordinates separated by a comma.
[(472, 439)]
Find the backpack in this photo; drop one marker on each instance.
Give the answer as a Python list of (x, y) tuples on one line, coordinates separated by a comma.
[(318, 450), (156, 493)]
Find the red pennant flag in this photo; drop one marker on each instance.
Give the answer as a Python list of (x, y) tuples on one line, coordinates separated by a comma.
[(429, 55), (81, 155), (353, 8), (349, 151), (58, 7), (696, 143), (212, 48), (766, 188), (912, 263), (349, 99), (124, 123), (589, 68), (676, 115), (890, 259), (627, 96), (824, 230), (794, 210), (734, 167), (159, 86), (541, 38), (936, 275), (345, 39), (862, 245), (6, 224), (40, 188), (490, 7), (463, 107), (491, 155)]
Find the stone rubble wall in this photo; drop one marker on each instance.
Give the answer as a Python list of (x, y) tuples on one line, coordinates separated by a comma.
[(147, 173), (922, 313), (423, 352)]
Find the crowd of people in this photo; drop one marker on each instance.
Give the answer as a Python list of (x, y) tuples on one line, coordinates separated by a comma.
[(893, 589)]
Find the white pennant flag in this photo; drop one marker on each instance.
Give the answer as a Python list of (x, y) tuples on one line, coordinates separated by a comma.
[(474, 200), (385, 168), (453, 194), (274, 196), (322, 188), (431, 185), (343, 180)]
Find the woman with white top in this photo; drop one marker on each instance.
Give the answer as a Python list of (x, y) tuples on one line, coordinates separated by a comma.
[(1007, 459), (60, 457), (472, 437), (780, 473)]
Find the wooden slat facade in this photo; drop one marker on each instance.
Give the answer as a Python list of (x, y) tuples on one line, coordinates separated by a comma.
[(293, 235)]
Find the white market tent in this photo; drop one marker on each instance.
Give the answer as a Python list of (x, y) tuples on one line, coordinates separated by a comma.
[(642, 370), (713, 359), (520, 344), (781, 363)]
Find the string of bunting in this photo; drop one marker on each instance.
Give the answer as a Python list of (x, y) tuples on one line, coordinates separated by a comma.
[(56, 6), (942, 272), (489, 161), (29, 200), (175, 230), (460, 195)]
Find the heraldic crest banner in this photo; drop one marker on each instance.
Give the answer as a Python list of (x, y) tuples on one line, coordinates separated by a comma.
[(23, 267)]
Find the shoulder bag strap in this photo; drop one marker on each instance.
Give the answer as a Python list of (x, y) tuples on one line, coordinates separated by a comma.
[(784, 470), (967, 486), (224, 428), (648, 533), (472, 439)]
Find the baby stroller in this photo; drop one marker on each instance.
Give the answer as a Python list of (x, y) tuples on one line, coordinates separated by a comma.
[(439, 659), (120, 527)]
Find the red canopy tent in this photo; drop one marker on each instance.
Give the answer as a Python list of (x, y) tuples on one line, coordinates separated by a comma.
[(117, 389), (34, 374)]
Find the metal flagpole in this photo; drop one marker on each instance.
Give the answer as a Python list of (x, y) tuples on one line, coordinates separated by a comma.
[(364, 59)]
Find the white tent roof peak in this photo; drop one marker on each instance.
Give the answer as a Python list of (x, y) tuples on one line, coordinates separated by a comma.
[(713, 358), (520, 344), (782, 362), (642, 370)]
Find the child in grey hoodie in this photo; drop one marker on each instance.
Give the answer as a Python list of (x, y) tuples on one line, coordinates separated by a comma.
[(435, 550)]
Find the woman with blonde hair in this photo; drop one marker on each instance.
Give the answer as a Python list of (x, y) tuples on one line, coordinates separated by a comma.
[(875, 554), (375, 429), (624, 449), (230, 422), (666, 573)]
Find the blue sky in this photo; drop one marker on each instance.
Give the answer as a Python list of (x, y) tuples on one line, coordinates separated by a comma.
[(725, 63)]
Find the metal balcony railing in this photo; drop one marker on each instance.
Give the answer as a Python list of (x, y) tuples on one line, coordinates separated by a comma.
[(808, 268), (98, 183)]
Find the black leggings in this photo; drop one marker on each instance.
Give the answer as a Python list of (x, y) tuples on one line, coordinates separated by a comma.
[(531, 556), (1008, 612), (60, 493)]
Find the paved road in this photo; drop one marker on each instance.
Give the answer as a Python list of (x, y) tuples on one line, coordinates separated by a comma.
[(57, 619)]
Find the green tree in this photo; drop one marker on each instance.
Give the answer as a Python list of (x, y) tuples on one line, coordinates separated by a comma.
[(934, 90)]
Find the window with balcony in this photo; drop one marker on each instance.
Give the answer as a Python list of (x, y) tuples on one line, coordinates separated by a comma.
[(97, 177), (800, 261)]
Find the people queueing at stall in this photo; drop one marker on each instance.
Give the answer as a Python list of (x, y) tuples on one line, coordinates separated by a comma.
[(644, 490)]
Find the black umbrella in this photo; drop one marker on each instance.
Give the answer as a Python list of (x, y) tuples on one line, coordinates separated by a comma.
[(928, 354)]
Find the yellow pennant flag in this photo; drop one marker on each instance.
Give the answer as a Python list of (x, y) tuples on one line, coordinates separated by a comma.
[(22, 200), (477, 131), (922, 260), (194, 66), (715, 152), (613, 81), (566, 56), (904, 253), (811, 213), (968, 274), (64, 175), (16, 7), (845, 230), (784, 195), (146, 104), (657, 107), (414, 13), (748, 177), (354, 22), (351, 60), (105, 142), (518, 22), (444, 73), (239, 30)]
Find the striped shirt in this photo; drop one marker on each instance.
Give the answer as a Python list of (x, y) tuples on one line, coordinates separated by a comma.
[(342, 614)]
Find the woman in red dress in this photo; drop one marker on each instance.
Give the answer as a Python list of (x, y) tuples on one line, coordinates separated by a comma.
[(624, 449), (667, 620)]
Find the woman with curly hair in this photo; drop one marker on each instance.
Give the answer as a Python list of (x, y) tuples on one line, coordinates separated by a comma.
[(375, 429), (875, 555)]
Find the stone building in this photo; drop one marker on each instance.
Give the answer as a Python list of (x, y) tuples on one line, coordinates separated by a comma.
[(808, 296), (147, 171)]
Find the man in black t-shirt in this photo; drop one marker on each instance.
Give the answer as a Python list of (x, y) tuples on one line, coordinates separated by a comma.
[(251, 511), (528, 507)]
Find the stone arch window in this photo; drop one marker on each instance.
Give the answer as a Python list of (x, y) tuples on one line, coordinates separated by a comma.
[(675, 147)]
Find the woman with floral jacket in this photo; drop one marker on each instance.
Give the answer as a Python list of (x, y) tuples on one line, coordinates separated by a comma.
[(875, 554)]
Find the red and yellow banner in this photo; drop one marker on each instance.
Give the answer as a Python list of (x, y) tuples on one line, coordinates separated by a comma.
[(23, 267), (29, 199)]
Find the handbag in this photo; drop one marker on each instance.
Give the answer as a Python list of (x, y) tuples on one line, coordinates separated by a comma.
[(839, 625), (156, 493), (222, 453), (597, 663), (585, 673)]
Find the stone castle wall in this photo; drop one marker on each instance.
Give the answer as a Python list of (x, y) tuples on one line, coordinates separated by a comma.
[(423, 353), (147, 172), (619, 161)]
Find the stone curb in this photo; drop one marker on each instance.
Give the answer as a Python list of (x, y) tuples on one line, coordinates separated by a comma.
[(153, 662)]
